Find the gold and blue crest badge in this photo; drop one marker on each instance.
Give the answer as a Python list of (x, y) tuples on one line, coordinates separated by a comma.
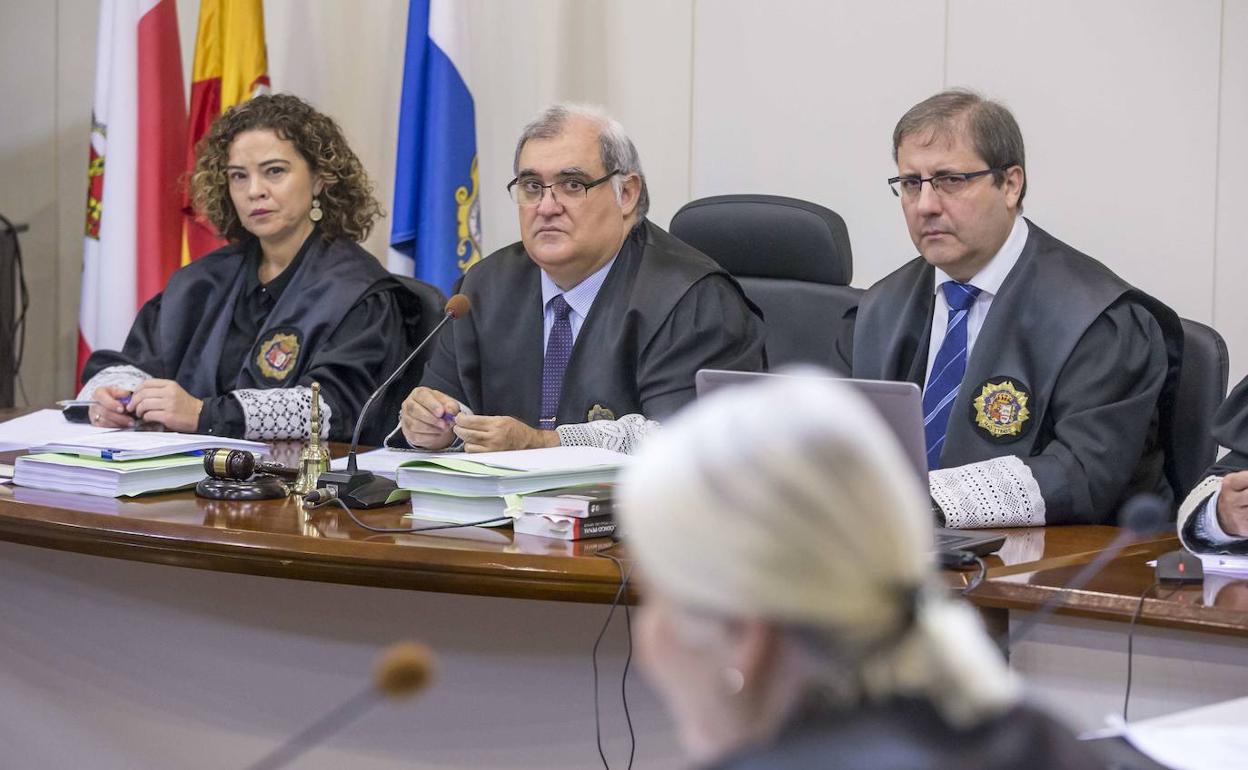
[(277, 354), (999, 410)]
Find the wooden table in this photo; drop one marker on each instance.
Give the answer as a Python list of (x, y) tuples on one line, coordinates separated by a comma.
[(1186, 647), (277, 538), (117, 656), (281, 613)]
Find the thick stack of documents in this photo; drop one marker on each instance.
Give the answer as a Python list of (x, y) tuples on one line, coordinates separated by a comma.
[(460, 488), (108, 478), (510, 473), (121, 463)]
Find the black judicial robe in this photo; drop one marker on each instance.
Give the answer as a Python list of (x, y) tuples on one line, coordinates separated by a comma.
[(1097, 359), (664, 311), (1230, 428), (179, 334), (910, 734)]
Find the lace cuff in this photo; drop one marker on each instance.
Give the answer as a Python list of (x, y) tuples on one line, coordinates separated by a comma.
[(622, 435), (125, 377), (1194, 504), (1000, 492), (273, 414)]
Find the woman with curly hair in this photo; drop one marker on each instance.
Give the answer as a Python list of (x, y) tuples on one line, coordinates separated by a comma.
[(235, 340)]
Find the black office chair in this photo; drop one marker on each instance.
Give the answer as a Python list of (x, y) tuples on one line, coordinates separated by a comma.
[(1201, 389), (432, 306), (792, 258), (383, 415)]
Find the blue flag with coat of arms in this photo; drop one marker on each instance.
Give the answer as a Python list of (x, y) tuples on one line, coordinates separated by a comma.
[(436, 228)]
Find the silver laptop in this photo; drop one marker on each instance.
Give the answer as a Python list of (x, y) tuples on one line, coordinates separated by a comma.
[(900, 404)]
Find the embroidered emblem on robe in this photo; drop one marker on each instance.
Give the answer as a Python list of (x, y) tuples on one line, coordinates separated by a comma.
[(277, 355), (1000, 409), (600, 412)]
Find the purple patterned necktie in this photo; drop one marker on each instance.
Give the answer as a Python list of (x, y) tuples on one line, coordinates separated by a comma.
[(555, 364)]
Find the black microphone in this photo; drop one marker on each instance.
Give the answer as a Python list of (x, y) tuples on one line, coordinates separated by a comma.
[(363, 489), (1143, 514), (402, 670), (320, 495), (240, 465)]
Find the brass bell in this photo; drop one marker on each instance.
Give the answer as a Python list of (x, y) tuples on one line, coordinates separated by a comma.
[(314, 459)]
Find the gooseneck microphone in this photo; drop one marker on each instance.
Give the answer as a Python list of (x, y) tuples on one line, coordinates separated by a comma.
[(363, 489), (402, 670), (1143, 514)]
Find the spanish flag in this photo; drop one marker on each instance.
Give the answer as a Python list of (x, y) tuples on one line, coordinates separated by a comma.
[(231, 66), (137, 150)]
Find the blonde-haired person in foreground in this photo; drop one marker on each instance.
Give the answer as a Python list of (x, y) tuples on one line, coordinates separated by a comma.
[(792, 616)]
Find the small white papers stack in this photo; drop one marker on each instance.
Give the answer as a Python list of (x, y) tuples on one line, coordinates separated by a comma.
[(42, 427), (139, 445)]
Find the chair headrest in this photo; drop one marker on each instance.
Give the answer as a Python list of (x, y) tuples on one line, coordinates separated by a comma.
[(768, 236)]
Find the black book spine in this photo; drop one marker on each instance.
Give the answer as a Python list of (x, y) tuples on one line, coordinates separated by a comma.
[(595, 527), (601, 508)]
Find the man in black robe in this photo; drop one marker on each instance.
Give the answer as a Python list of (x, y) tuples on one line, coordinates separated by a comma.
[(1214, 517), (1047, 379), (591, 328)]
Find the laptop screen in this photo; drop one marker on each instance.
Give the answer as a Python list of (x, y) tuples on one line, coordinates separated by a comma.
[(900, 404)]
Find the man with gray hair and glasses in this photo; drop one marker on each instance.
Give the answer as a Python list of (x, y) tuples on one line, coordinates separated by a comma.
[(1047, 379), (590, 328)]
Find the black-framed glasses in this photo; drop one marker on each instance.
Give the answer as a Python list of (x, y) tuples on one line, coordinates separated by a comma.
[(529, 190), (908, 187)]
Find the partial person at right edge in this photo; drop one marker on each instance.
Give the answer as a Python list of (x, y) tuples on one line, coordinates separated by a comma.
[(588, 331), (1214, 517), (1048, 380)]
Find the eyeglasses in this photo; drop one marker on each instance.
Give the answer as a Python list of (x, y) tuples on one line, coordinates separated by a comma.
[(908, 187), (529, 190)]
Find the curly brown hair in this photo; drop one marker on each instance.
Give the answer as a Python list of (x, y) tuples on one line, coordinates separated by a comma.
[(347, 198)]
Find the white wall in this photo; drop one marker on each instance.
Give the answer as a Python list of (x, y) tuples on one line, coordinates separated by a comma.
[(1130, 110)]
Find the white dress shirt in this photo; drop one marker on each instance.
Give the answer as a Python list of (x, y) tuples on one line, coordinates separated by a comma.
[(988, 281), (1209, 526)]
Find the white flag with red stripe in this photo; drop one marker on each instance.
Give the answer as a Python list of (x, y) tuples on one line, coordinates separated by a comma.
[(138, 150)]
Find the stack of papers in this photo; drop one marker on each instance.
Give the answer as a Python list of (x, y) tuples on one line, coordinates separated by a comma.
[(1205, 738), (70, 457), (139, 445), (465, 509), (456, 488), (382, 462), (1223, 564), (107, 478), (41, 427), (510, 473)]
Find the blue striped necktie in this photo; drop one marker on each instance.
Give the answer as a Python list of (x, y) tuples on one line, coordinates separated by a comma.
[(948, 369), (555, 363)]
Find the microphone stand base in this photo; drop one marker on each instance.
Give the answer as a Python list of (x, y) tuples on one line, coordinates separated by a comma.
[(361, 489)]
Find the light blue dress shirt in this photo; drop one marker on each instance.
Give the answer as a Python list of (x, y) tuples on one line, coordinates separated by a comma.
[(580, 299)]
